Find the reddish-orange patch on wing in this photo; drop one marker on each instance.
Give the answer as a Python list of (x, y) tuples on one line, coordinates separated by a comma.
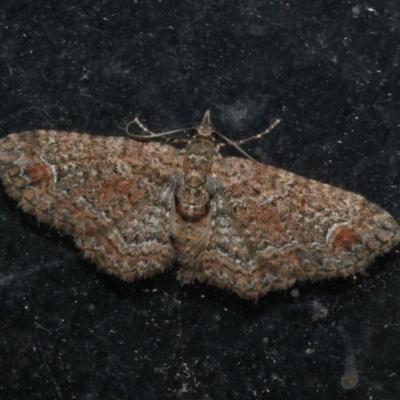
[(345, 237), (114, 187), (38, 172)]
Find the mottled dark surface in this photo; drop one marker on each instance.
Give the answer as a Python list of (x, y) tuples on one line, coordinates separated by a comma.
[(328, 69)]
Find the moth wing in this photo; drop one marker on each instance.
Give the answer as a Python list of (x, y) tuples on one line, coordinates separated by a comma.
[(101, 190), (229, 257), (300, 228)]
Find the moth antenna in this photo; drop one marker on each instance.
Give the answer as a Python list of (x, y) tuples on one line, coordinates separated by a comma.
[(232, 143), (259, 135), (237, 143), (150, 134)]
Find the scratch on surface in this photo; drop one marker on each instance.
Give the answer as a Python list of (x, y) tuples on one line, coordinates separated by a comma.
[(349, 379)]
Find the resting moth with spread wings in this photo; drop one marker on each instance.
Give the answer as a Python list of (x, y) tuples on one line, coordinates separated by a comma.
[(136, 208)]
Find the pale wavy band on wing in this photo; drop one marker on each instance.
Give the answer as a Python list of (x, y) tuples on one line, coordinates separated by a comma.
[(295, 228), (99, 192)]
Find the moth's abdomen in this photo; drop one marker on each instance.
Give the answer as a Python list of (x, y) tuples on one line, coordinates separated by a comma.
[(192, 223)]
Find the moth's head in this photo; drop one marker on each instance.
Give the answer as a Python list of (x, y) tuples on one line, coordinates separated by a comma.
[(205, 131)]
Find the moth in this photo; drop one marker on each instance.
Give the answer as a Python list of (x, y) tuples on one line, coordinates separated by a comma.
[(137, 208)]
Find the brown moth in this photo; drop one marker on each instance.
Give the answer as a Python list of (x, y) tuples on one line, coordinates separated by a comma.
[(136, 208)]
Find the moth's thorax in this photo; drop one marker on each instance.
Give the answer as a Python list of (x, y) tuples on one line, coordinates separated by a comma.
[(192, 196), (198, 161), (192, 203)]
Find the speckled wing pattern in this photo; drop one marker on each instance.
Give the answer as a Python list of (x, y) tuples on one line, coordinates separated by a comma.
[(294, 229), (135, 208), (101, 190)]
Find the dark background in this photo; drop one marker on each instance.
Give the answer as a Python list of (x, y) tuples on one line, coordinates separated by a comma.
[(329, 69)]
